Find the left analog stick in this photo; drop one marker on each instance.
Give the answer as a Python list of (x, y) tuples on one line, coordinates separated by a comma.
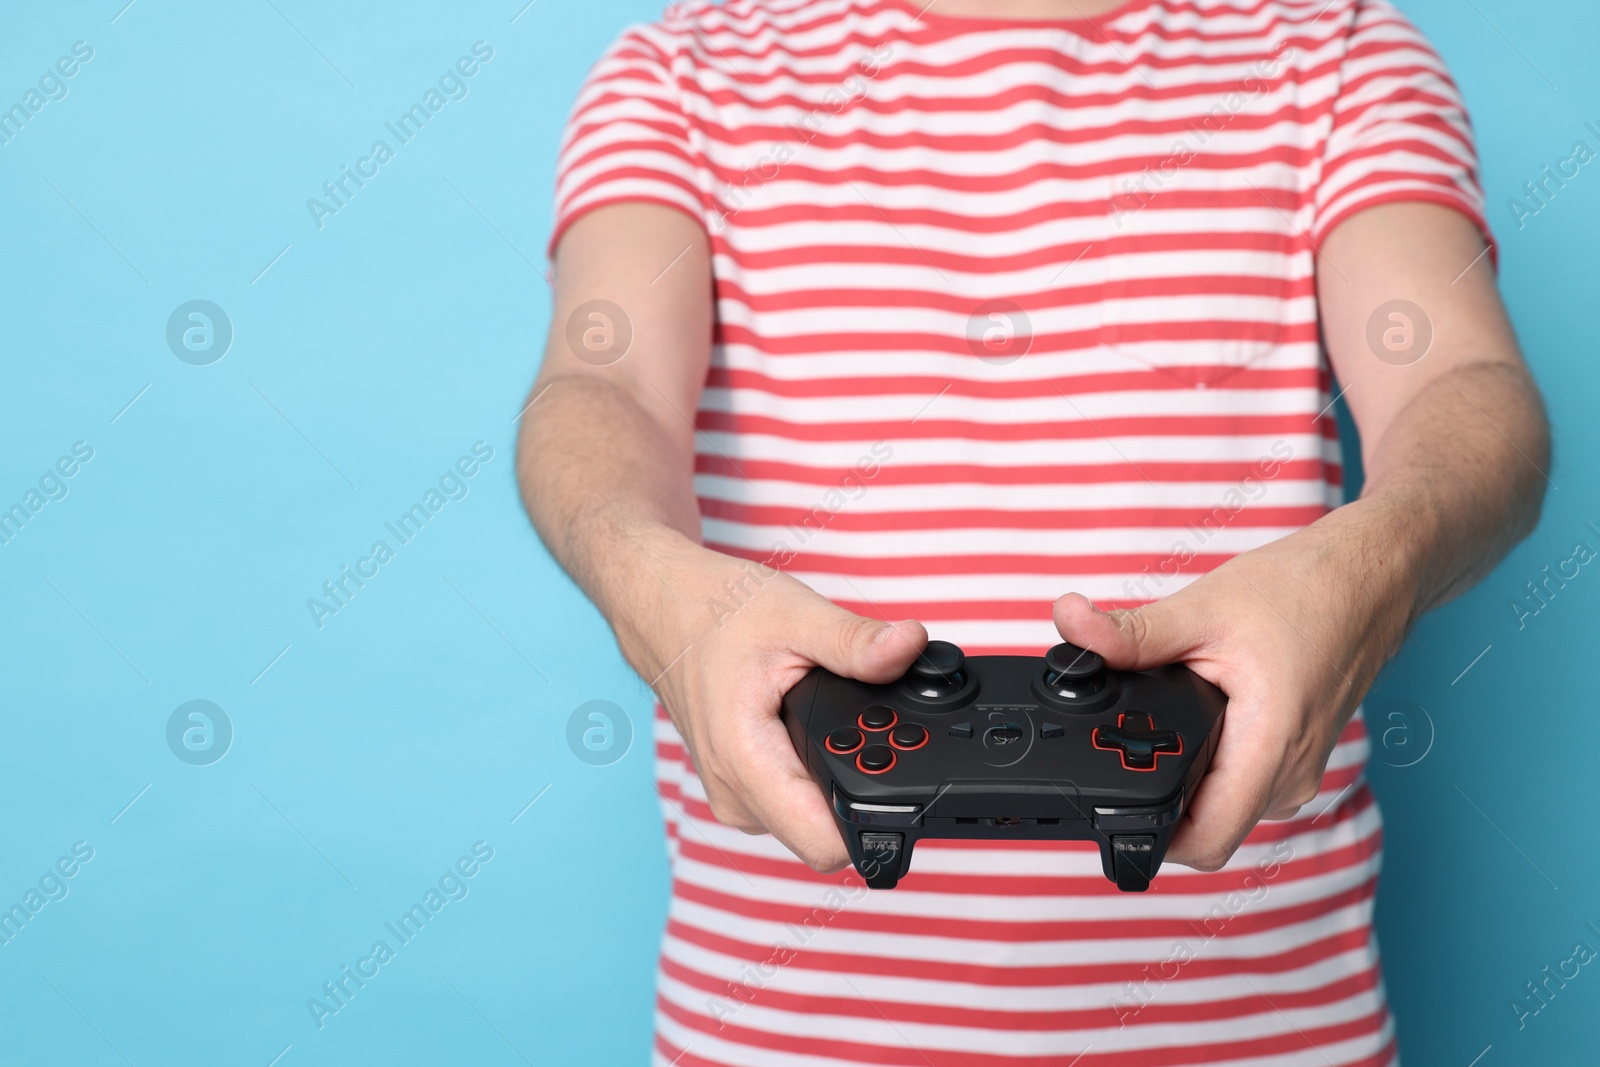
[(938, 671)]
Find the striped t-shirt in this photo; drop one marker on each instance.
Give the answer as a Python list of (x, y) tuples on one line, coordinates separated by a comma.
[(1006, 309)]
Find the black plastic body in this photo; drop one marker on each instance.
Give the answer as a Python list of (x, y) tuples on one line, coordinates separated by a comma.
[(1052, 783)]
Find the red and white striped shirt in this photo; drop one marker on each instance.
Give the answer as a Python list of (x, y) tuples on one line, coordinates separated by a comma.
[(1006, 309)]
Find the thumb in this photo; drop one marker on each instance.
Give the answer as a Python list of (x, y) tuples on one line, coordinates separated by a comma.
[(1162, 632), (853, 646)]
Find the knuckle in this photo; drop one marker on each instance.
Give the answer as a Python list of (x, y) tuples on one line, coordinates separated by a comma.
[(1213, 858), (1295, 794), (727, 810), (817, 861), (734, 816), (850, 634), (1135, 625)]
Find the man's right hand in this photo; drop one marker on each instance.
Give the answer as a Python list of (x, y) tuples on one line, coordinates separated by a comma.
[(723, 642)]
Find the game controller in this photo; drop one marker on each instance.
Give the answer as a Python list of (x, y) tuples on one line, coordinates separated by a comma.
[(1058, 747)]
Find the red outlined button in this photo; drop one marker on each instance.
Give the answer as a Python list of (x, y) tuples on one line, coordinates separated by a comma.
[(875, 759), (908, 736), (844, 741), (877, 717)]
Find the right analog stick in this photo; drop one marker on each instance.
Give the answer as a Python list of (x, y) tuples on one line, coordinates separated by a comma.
[(1073, 673)]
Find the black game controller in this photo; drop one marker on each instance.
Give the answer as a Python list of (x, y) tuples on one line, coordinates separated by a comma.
[(1057, 747)]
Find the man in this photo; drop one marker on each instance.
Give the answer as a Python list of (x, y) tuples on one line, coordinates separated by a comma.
[(869, 311)]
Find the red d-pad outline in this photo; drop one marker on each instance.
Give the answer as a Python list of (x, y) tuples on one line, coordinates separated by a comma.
[(1155, 761)]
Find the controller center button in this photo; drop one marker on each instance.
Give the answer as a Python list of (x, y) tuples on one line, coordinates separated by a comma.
[(908, 735), (1003, 736), (877, 717), (1137, 741), (875, 759), (1051, 730), (961, 729), (844, 740)]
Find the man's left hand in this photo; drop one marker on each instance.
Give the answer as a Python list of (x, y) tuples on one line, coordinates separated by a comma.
[(1293, 632)]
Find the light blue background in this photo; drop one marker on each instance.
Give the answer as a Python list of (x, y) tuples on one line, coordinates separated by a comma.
[(429, 712)]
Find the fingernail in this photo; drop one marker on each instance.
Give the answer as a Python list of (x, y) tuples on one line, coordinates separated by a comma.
[(888, 631)]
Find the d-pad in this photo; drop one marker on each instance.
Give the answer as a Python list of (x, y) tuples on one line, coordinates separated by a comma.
[(1137, 741)]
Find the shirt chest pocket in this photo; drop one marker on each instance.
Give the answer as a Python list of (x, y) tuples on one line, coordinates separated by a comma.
[(1207, 269)]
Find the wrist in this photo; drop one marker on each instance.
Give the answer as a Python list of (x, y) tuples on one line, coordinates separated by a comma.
[(662, 600), (1381, 548)]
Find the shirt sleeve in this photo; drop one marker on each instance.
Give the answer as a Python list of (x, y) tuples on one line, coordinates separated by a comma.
[(628, 137), (1400, 129)]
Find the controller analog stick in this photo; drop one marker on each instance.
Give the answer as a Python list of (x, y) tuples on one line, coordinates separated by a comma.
[(1073, 673), (938, 671)]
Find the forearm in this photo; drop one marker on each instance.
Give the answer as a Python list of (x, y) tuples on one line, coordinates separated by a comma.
[(610, 492), (1455, 444), (1454, 481)]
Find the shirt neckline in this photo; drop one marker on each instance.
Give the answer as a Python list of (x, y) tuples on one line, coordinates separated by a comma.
[(918, 9)]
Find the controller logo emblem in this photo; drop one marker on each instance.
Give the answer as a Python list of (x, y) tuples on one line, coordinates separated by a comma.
[(1007, 739)]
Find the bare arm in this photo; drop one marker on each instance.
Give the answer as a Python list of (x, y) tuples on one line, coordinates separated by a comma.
[(605, 463), (1455, 446), (607, 443), (1458, 438)]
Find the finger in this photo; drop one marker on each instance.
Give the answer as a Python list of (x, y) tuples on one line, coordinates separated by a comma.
[(727, 807), (776, 789), (1159, 633), (853, 646), (1292, 796), (1232, 797)]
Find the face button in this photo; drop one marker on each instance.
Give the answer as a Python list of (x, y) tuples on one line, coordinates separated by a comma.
[(908, 736), (938, 672), (1137, 741), (875, 759), (1073, 673), (877, 717), (844, 740)]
